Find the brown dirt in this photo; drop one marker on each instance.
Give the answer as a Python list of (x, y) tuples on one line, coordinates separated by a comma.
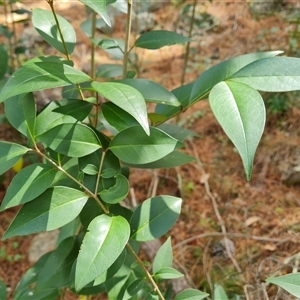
[(262, 216)]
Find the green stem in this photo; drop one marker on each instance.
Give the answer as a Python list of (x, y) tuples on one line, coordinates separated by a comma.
[(88, 192), (93, 45), (99, 172), (127, 38), (50, 2), (149, 276)]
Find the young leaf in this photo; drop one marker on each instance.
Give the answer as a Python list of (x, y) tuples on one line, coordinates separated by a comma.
[(48, 118), (223, 71), (116, 193), (45, 24), (20, 112), (117, 117), (241, 112), (78, 109), (101, 246), (191, 294), (152, 91), (28, 184), (273, 74), (54, 208), (163, 257), (39, 74), (172, 160), (154, 217), (168, 273), (74, 140), (133, 146), (109, 71), (289, 282), (3, 61), (219, 293), (127, 98), (10, 153), (99, 7), (160, 38)]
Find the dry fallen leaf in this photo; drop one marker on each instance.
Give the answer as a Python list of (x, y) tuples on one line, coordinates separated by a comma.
[(252, 220)]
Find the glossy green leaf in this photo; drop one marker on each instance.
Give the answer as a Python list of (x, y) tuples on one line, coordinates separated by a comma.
[(223, 71), (101, 246), (10, 153), (39, 75), (20, 112), (78, 109), (28, 184), (191, 294), (154, 217), (109, 71), (152, 91), (45, 24), (69, 230), (289, 282), (99, 6), (177, 132), (3, 60), (160, 38), (133, 146), (116, 193), (3, 292), (241, 112), (135, 286), (273, 74), (172, 160), (167, 273), (48, 118), (117, 117), (127, 98), (182, 93), (163, 257), (74, 140), (219, 293), (90, 169), (53, 209)]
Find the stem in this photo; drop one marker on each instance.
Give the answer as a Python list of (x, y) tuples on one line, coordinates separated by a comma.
[(88, 192), (50, 2), (187, 49), (99, 171), (127, 38), (149, 276), (93, 46)]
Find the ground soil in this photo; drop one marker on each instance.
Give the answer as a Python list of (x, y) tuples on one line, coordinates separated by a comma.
[(262, 217)]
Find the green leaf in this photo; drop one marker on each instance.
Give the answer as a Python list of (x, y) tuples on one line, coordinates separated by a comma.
[(191, 294), (53, 209), (3, 292), (43, 74), (99, 7), (117, 117), (273, 74), (45, 24), (223, 71), (109, 71), (241, 112), (177, 132), (69, 230), (28, 184), (101, 246), (182, 93), (20, 112), (160, 38), (135, 286), (48, 118), (219, 293), (152, 91), (172, 160), (10, 153), (3, 62), (127, 98), (78, 109), (116, 193), (133, 146), (289, 282), (163, 257), (154, 217), (74, 140), (168, 273)]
